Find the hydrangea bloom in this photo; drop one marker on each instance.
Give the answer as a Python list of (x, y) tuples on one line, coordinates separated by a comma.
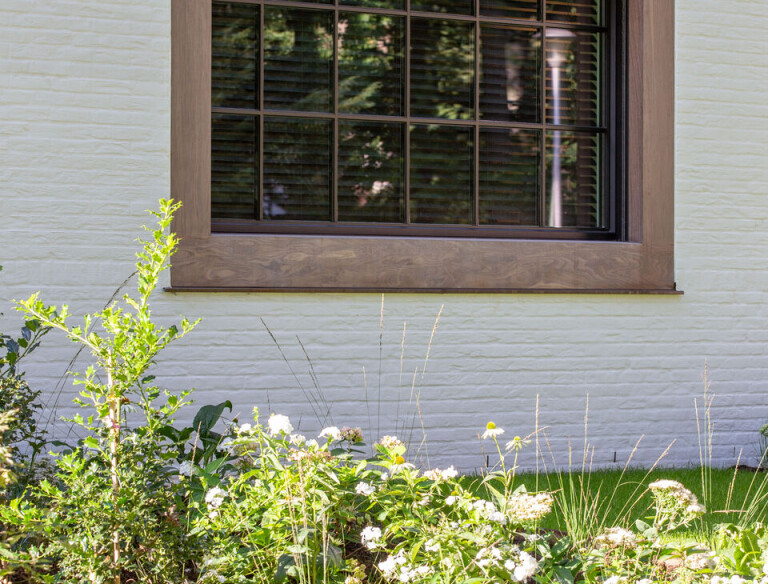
[(279, 424)]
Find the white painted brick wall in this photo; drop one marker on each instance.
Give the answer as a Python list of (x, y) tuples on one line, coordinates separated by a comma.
[(84, 150)]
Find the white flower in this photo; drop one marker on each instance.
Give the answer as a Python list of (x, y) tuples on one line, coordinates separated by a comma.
[(389, 566), (244, 429), (279, 424), (491, 431), (311, 443), (525, 507), (431, 546), (331, 432), (390, 442), (297, 439), (616, 537), (527, 567), (370, 537), (441, 475), (215, 497), (364, 489), (666, 485), (450, 500), (384, 477), (612, 580)]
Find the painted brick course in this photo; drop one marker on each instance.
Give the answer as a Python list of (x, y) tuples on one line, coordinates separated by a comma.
[(84, 150)]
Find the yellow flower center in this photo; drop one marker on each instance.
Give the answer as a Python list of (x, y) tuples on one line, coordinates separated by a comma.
[(399, 460), (490, 426)]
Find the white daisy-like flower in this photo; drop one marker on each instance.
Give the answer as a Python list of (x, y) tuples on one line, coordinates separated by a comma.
[(364, 489), (215, 497), (491, 431), (331, 432), (370, 537), (279, 424)]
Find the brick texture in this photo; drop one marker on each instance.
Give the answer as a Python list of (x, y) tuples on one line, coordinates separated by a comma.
[(84, 150)]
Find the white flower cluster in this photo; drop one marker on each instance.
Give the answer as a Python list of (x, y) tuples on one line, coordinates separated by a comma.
[(441, 475), (397, 568), (370, 537), (363, 488), (615, 537), (390, 442), (332, 433), (488, 510), (735, 579), (215, 497), (673, 498), (520, 565), (701, 561), (527, 507), (279, 424)]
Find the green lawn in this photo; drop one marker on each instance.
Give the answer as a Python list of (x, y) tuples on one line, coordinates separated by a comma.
[(608, 498)]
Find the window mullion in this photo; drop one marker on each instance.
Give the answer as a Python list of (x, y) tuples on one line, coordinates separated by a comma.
[(335, 138), (407, 130), (543, 114), (476, 156), (260, 118)]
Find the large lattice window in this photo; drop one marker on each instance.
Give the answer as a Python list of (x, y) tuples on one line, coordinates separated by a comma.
[(418, 117)]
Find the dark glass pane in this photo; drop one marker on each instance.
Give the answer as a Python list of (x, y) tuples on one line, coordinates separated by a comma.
[(574, 197), (446, 6), (441, 174), (234, 166), (297, 169), (235, 55), (509, 74), (371, 67), (509, 176), (371, 172), (390, 4), (525, 9), (298, 59), (577, 11), (573, 77), (442, 69)]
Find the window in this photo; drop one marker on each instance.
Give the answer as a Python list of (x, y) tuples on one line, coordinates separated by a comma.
[(467, 145)]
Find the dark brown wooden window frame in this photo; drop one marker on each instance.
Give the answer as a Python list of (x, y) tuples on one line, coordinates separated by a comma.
[(643, 263)]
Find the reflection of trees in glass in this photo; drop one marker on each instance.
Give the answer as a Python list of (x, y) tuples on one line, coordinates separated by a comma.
[(442, 69), (371, 64), (297, 168), (234, 163), (298, 59), (235, 55), (441, 174), (370, 172)]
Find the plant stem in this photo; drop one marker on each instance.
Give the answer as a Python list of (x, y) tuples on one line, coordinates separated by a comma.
[(114, 421)]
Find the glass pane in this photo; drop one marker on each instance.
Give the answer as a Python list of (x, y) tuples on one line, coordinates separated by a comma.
[(442, 69), (441, 174), (578, 11), (297, 169), (446, 6), (371, 67), (235, 55), (390, 4), (573, 77), (574, 197), (509, 74), (298, 59), (234, 166), (371, 172), (525, 9), (509, 176)]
